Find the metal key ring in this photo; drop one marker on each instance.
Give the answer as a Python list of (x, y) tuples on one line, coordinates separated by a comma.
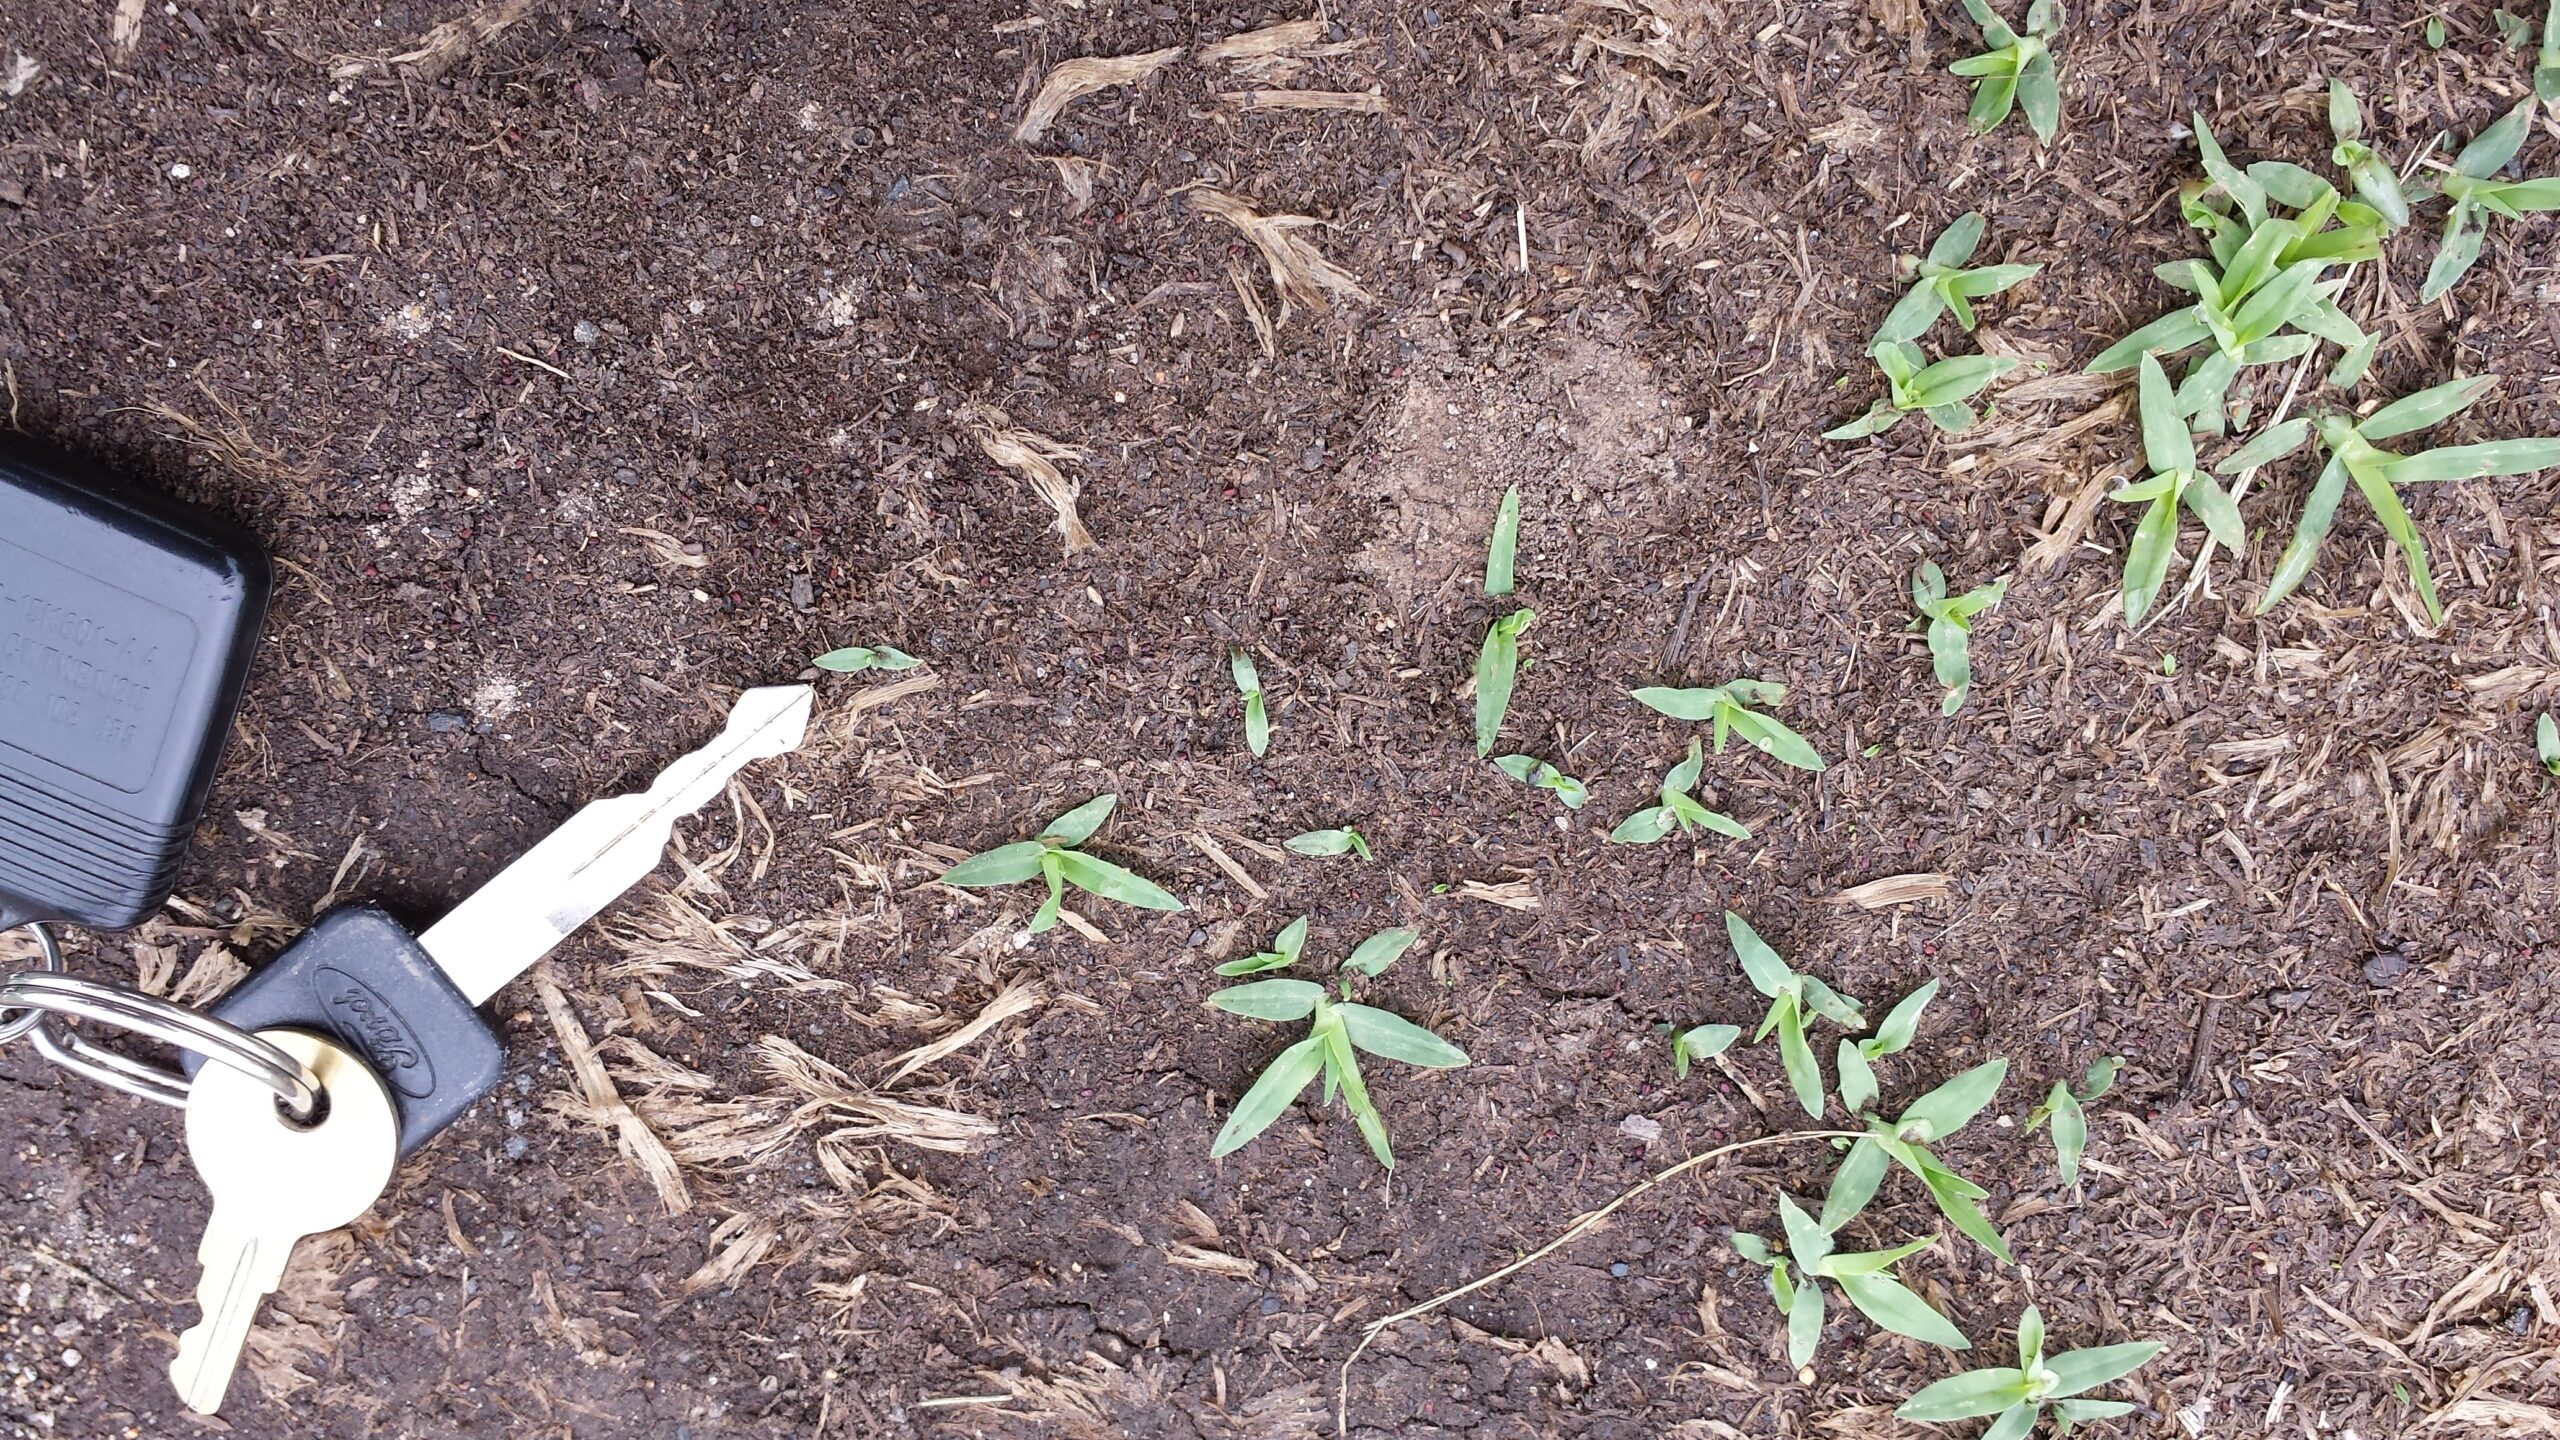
[(32, 1016), (49, 994)]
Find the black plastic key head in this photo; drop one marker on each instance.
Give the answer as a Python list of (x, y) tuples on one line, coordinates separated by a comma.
[(361, 978), (126, 627)]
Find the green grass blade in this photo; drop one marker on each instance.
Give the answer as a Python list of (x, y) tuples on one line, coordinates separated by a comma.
[(2219, 512), (1804, 1323), (1077, 825), (1804, 1073), (1955, 244), (2272, 444), (1497, 670), (1269, 999), (2166, 444), (2080, 1370), (1902, 1022), (1857, 1079), (1967, 1217), (2489, 151), (2426, 408), (1957, 378), (1913, 314), (2460, 247), (1951, 1106), (2475, 462), (1855, 1183), (1776, 740), (1698, 704), (1111, 882), (1951, 648), (1880, 417), (1381, 950), (2403, 532), (2175, 331), (1993, 97), (1644, 827), (2146, 560), (1393, 1037), (1278, 1086), (1760, 964), (1505, 547), (1883, 1299), (1004, 865), (1965, 1397), (2040, 95), (2070, 1131), (1045, 918)]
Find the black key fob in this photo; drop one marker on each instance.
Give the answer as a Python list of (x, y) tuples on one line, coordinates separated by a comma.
[(360, 978), (127, 622)]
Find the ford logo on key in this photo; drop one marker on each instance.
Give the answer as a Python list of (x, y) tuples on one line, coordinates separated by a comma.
[(362, 1016)]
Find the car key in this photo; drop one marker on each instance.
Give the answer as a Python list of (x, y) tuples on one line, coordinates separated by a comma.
[(408, 1006), (273, 1182)]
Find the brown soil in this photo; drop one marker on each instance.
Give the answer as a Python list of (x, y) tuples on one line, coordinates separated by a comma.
[(620, 364)]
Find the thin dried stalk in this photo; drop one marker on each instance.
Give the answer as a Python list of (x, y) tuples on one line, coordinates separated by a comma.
[(1072, 80), (1366, 102), (1018, 998), (443, 47), (1035, 458), (603, 1103), (1261, 44), (1299, 271), (1894, 890)]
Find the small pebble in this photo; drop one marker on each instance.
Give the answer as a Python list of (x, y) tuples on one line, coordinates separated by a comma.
[(586, 333), (1618, 1271), (2385, 969), (1270, 1304), (448, 722)]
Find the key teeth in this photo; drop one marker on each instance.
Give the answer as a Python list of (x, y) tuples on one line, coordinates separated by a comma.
[(785, 708)]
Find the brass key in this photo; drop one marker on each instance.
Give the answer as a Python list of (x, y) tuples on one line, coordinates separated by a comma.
[(273, 1182)]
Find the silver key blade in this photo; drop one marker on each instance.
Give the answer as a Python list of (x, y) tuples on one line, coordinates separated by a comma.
[(603, 850)]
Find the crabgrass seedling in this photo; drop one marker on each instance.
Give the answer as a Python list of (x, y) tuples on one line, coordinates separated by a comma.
[(1939, 391), (1892, 1037), (1791, 998), (1729, 706), (2371, 175), (1497, 671), (2175, 481), (1698, 1042), (2020, 1396), (1530, 770), (1942, 284), (2017, 71), (2515, 30), (1499, 555), (1052, 856), (1678, 810), (1339, 1029), (1866, 1278), (2379, 474), (2476, 192), (2546, 744), (2265, 296), (1949, 621), (1257, 718), (1905, 1141), (854, 659), (2434, 32), (1286, 948), (1324, 843), (2062, 1107)]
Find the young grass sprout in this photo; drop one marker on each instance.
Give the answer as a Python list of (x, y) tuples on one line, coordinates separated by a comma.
[(1905, 1141), (2375, 182), (1530, 770), (1866, 1278), (1497, 671), (1699, 1042), (1892, 1037), (2175, 481), (854, 659), (1791, 998), (1051, 856), (1939, 391), (2064, 1109), (2265, 296), (2017, 71), (2546, 744), (1941, 283), (1326, 843), (2020, 1396), (1729, 706), (1340, 1028), (2476, 192), (1678, 811), (1257, 717), (1949, 621), (2546, 64), (2378, 474)]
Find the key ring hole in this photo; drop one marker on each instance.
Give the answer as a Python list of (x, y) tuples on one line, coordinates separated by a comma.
[(318, 1116)]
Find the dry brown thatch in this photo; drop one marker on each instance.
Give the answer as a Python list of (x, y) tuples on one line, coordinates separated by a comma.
[(1299, 271), (1035, 458), (1894, 890), (1364, 102), (1074, 79), (600, 1103), (441, 48)]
